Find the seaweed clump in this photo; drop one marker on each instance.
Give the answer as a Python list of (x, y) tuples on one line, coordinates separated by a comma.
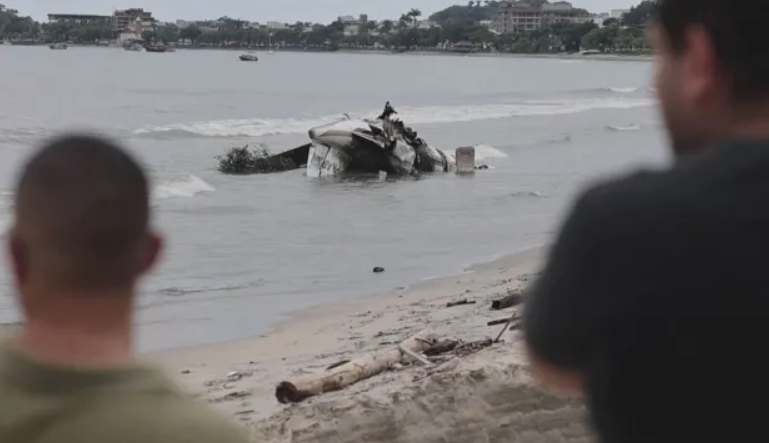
[(247, 160)]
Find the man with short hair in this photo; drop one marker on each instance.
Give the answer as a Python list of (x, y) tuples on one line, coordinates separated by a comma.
[(654, 302), (80, 242)]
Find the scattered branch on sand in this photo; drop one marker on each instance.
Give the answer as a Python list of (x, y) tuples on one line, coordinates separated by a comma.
[(513, 298), (509, 321), (459, 303), (441, 347), (457, 347), (502, 321), (352, 372), (473, 347), (244, 160), (415, 356)]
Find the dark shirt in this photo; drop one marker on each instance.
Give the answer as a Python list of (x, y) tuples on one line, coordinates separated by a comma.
[(657, 291)]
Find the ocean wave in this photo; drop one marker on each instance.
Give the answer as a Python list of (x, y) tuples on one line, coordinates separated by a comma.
[(22, 135), (535, 194), (627, 128), (259, 127), (485, 152), (181, 187), (177, 291), (609, 91), (624, 90)]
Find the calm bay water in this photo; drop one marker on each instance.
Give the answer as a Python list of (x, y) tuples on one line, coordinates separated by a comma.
[(244, 250)]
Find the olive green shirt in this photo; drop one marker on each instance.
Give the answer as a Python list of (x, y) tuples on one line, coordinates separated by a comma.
[(43, 403)]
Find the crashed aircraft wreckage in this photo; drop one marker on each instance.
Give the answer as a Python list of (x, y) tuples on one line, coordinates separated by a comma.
[(383, 144)]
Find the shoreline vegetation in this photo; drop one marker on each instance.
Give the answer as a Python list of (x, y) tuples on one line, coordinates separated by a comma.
[(457, 29)]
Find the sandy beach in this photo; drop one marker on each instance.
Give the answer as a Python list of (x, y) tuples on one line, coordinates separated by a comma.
[(488, 396)]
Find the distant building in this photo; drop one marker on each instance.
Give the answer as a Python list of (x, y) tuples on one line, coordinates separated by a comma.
[(598, 19), (429, 24), (352, 25), (122, 19), (203, 25), (10, 11), (524, 16), (81, 19), (275, 25), (618, 13)]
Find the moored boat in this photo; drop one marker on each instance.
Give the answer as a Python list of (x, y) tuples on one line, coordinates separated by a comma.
[(58, 46), (249, 57), (156, 48)]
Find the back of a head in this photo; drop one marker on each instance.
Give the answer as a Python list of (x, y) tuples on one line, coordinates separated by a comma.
[(734, 29), (82, 215)]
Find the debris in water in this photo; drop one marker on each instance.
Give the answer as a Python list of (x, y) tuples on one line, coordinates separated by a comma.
[(259, 160)]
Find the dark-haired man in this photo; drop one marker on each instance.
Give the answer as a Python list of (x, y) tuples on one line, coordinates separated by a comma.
[(80, 242), (654, 302)]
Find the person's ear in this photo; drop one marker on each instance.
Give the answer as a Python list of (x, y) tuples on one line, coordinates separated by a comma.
[(151, 252)]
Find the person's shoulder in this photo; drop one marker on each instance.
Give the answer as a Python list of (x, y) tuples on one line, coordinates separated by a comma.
[(194, 422), (164, 418), (619, 195), (641, 196)]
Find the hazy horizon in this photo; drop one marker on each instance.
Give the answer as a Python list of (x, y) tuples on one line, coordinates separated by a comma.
[(321, 11)]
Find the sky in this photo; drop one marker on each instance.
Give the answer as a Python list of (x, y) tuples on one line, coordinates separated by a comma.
[(290, 11)]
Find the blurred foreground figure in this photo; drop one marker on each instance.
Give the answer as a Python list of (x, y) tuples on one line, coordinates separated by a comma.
[(655, 301), (80, 242)]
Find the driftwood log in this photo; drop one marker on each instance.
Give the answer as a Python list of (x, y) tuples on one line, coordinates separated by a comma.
[(353, 371), (460, 303), (511, 300)]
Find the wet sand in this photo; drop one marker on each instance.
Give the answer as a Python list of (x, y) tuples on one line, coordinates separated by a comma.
[(488, 396)]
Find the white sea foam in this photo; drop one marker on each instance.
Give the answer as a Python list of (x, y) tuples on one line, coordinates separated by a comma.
[(484, 151), (258, 127), (185, 186), (626, 128), (624, 90)]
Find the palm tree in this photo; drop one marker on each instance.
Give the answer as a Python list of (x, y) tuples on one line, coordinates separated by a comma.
[(387, 26), (415, 14), (403, 22)]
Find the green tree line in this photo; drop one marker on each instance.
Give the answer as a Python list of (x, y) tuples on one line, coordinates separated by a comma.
[(456, 24)]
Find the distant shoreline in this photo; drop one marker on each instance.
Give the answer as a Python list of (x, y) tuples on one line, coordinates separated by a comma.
[(560, 56)]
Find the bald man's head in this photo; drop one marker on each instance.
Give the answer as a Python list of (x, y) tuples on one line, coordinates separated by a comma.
[(82, 218)]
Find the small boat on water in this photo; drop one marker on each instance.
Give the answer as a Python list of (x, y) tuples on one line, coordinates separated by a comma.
[(249, 57), (134, 48), (58, 46), (156, 48)]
